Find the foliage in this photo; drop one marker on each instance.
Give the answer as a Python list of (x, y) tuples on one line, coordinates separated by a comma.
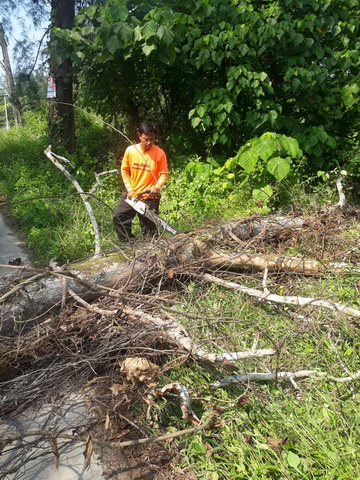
[(43, 201), (234, 69)]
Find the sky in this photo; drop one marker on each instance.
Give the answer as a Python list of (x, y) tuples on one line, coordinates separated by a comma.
[(33, 34)]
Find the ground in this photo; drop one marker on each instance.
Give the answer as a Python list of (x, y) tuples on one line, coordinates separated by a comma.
[(91, 347)]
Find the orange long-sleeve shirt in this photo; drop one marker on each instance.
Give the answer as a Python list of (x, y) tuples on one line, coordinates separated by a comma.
[(143, 170)]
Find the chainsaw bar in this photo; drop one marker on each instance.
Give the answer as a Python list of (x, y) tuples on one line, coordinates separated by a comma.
[(143, 209)]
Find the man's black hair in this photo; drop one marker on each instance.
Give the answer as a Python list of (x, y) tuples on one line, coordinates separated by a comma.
[(147, 127)]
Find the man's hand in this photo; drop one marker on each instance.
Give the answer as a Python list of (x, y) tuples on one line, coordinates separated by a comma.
[(154, 189), (130, 193)]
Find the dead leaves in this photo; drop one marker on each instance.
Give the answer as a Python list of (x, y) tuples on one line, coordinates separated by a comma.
[(276, 443), (138, 369), (88, 450)]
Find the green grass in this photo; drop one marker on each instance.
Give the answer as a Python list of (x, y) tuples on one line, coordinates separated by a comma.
[(320, 420)]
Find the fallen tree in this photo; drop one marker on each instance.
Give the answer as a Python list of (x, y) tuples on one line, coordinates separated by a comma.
[(135, 266)]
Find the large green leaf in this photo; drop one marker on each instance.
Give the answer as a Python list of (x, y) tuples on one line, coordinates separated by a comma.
[(119, 13), (265, 146), (147, 49), (149, 29), (262, 194), (248, 160), (279, 167), (350, 94), (124, 31), (113, 44), (290, 145), (165, 34)]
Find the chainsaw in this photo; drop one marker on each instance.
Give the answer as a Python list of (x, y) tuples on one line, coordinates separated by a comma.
[(143, 209)]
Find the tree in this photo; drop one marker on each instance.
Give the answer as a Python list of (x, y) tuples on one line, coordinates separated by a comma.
[(16, 105), (232, 69), (61, 111)]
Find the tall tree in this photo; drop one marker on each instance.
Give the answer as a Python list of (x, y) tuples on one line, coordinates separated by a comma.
[(10, 84), (61, 111)]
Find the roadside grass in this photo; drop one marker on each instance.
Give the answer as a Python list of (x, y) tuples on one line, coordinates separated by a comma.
[(271, 430)]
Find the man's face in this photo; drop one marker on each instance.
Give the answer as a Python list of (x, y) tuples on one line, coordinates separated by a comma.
[(146, 140)]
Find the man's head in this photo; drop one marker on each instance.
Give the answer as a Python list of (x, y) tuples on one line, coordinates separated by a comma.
[(147, 132)]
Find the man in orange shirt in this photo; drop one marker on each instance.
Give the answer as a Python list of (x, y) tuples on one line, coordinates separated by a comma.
[(144, 168)]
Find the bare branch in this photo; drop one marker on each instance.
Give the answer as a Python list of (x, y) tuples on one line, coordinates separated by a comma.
[(263, 377)]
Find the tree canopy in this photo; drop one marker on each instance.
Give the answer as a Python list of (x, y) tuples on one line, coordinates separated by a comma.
[(223, 71)]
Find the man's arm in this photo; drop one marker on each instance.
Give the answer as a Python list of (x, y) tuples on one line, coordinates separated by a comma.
[(163, 174)]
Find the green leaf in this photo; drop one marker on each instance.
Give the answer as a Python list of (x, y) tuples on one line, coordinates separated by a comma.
[(262, 195), (119, 13), (350, 94), (331, 142), (264, 146), (125, 31), (75, 36), (113, 45), (290, 145), (147, 49), (165, 35), (90, 11), (195, 122), (272, 117), (321, 135), (149, 29), (293, 459), (248, 160), (299, 38), (295, 82), (201, 111), (278, 167)]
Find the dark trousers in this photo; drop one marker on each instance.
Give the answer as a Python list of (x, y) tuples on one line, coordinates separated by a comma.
[(125, 214)]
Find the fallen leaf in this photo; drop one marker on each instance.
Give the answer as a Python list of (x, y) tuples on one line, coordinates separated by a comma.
[(139, 369), (229, 366), (242, 400), (195, 421), (219, 424), (107, 422), (88, 450), (275, 443), (116, 388), (247, 438), (170, 273)]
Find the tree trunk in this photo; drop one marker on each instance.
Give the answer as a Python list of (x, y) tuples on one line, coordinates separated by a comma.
[(15, 102), (61, 117)]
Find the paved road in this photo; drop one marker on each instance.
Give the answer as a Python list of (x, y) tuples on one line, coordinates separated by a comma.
[(38, 462), (10, 247)]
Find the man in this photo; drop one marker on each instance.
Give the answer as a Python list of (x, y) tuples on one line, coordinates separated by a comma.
[(144, 168)]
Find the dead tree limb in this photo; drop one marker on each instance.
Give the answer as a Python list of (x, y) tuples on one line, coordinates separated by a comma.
[(113, 445), (263, 377), (56, 160), (175, 331), (286, 300)]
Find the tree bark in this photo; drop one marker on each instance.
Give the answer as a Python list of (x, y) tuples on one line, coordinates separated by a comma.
[(61, 117), (15, 102)]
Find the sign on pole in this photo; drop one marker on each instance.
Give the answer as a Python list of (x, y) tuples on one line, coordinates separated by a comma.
[(51, 87)]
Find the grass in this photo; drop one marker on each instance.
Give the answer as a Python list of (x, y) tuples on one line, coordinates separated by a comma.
[(273, 430)]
